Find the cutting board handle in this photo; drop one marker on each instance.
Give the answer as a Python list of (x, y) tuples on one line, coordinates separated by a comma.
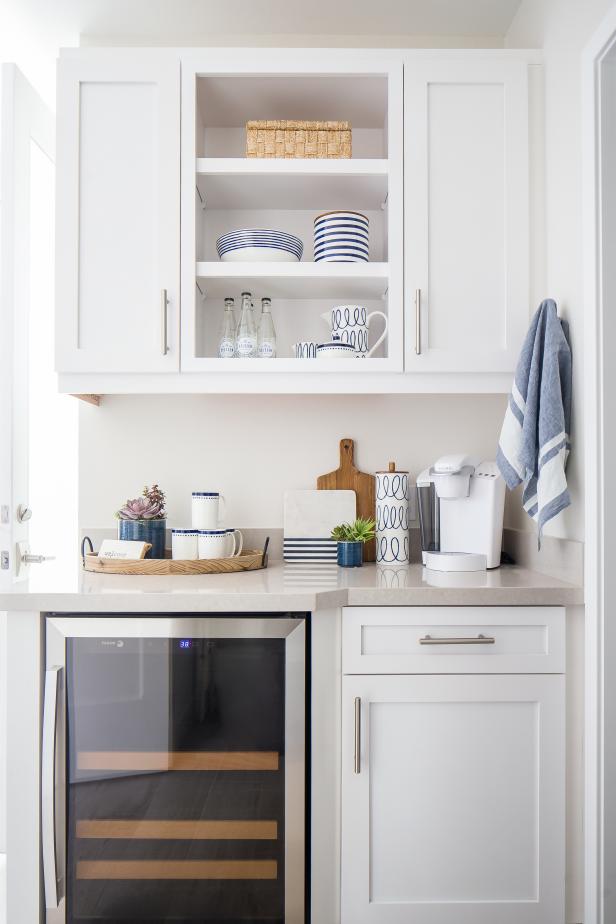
[(347, 454)]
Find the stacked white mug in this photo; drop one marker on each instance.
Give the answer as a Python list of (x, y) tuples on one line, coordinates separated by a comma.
[(207, 538), (208, 508), (392, 516)]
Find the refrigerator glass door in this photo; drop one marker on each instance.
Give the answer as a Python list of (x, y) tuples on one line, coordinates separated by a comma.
[(184, 777)]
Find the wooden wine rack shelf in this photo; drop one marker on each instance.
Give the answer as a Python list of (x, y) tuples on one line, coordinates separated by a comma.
[(177, 830), (177, 760), (177, 869)]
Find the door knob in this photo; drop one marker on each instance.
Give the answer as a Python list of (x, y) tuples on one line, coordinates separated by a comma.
[(23, 513)]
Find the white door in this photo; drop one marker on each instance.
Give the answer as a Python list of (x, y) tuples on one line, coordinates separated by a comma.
[(26, 291), (118, 228), (26, 149), (453, 800), (466, 213)]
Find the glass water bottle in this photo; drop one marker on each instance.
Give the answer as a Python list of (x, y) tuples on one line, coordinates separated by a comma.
[(246, 335), (266, 340), (226, 340)]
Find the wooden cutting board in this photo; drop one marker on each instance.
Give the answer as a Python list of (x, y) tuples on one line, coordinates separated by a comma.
[(347, 477)]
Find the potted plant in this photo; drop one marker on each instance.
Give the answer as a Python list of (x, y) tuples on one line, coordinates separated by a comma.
[(145, 519), (351, 538)]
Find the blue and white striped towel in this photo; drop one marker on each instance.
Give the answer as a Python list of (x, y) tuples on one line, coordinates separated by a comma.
[(534, 442)]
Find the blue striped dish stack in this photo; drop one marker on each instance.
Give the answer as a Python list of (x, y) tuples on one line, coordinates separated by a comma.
[(301, 548), (260, 245), (341, 237)]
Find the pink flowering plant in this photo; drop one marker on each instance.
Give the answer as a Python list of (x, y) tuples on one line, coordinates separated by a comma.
[(150, 506)]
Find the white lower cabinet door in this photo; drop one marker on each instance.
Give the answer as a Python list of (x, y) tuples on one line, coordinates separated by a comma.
[(453, 799)]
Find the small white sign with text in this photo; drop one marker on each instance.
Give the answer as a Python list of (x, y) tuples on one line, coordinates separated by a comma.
[(123, 549)]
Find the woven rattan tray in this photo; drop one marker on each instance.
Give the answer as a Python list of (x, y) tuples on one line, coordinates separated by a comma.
[(249, 560)]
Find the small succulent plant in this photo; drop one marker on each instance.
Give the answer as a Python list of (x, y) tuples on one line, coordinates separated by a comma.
[(361, 530), (150, 506)]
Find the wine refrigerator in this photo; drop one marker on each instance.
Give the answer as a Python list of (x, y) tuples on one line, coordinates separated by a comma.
[(174, 769)]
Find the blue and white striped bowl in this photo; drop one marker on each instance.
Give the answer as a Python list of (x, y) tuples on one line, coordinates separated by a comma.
[(346, 224), (341, 256), (332, 234), (253, 234), (342, 216), (260, 245), (354, 240), (342, 251), (342, 224), (344, 231), (342, 237)]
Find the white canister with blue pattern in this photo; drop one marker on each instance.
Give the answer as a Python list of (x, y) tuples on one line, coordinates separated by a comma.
[(392, 516)]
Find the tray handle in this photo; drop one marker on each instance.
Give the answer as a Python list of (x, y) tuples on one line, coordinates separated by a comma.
[(264, 558), (83, 548)]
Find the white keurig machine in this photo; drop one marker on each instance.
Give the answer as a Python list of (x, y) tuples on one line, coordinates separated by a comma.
[(461, 503)]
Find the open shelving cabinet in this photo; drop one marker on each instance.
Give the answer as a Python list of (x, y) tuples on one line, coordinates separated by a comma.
[(223, 190)]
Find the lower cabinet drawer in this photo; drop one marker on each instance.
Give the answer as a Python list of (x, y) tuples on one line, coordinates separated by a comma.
[(453, 639)]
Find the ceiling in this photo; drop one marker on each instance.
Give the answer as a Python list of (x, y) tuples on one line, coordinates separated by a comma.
[(188, 21)]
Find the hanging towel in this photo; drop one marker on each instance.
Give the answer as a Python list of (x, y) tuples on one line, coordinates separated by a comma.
[(534, 442)]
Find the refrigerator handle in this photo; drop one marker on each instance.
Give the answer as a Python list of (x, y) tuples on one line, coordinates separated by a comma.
[(52, 879)]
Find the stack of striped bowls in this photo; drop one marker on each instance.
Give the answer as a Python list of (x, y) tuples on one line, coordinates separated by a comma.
[(341, 237), (260, 245)]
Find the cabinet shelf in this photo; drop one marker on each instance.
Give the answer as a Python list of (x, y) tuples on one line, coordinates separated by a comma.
[(295, 280), (321, 185)]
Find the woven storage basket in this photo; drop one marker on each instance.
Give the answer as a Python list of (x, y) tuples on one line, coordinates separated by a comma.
[(298, 139)]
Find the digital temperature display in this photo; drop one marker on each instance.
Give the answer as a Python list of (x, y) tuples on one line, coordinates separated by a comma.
[(186, 643)]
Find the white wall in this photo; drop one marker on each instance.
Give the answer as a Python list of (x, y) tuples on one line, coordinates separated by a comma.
[(254, 448), (562, 28), (33, 47)]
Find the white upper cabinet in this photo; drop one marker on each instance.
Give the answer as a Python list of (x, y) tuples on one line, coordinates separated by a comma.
[(439, 166), (466, 177), (118, 212)]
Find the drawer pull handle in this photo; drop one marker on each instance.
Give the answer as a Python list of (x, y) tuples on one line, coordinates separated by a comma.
[(477, 640), (357, 737)]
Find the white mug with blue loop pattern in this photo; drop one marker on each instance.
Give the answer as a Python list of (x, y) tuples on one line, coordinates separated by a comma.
[(352, 323)]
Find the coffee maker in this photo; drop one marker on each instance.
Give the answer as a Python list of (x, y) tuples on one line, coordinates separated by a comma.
[(461, 504)]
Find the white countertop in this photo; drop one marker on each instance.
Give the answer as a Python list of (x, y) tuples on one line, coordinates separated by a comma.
[(289, 588)]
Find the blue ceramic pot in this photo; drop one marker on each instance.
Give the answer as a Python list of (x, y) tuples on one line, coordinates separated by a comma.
[(350, 554), (152, 531)]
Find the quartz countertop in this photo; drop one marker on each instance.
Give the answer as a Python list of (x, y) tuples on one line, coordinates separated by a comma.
[(288, 588)]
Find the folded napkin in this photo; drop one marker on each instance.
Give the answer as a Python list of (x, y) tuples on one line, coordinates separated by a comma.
[(534, 442)]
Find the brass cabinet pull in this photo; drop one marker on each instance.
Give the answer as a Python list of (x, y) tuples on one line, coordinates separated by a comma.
[(418, 321), (462, 640), (357, 737)]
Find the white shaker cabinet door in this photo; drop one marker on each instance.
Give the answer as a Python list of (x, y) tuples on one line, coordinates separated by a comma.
[(118, 214), (453, 800), (466, 213)]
